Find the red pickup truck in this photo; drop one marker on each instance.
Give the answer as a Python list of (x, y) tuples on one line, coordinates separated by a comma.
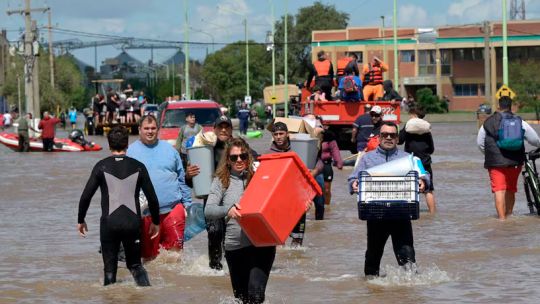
[(173, 116)]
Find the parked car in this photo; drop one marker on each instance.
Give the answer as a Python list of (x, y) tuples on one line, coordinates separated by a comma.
[(173, 116)]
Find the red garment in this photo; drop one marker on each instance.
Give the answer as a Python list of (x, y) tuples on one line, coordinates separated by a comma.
[(330, 150), (47, 126)]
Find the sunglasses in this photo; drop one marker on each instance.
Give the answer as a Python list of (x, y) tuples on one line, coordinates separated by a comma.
[(234, 157), (389, 135), (375, 115)]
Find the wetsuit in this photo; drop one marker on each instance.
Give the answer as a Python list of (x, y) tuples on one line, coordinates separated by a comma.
[(120, 179)]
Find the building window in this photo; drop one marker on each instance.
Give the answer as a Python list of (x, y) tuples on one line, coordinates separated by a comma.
[(407, 56), (426, 62), (468, 54), (446, 62), (468, 89)]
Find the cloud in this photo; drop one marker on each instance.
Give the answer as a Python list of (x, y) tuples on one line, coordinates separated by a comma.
[(413, 15), (467, 11), (103, 25)]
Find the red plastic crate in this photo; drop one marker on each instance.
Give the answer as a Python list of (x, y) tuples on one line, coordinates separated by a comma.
[(275, 198)]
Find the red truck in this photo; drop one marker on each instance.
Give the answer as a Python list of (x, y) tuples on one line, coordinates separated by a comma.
[(339, 115), (173, 116)]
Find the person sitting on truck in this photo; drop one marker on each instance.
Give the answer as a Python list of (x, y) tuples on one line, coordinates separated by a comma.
[(323, 71), (372, 78), (389, 93), (350, 86), (378, 231), (349, 61)]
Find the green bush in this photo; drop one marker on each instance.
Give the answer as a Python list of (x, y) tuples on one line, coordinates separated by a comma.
[(429, 102)]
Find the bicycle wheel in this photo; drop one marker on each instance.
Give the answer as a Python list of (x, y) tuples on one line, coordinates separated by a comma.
[(534, 186)]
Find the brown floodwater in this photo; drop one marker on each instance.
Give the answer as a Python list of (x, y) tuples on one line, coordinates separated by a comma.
[(464, 253)]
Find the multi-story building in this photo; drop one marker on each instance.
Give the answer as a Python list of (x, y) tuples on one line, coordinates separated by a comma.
[(449, 59)]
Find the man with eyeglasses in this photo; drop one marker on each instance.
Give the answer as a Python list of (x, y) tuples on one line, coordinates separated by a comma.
[(378, 231), (366, 126)]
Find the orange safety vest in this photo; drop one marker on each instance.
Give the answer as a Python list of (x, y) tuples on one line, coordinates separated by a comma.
[(374, 76), (342, 64), (322, 67)]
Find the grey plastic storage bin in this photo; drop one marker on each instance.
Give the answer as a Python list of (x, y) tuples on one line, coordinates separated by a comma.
[(307, 149), (203, 157)]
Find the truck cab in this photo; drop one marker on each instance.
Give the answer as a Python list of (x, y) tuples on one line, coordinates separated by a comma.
[(173, 116)]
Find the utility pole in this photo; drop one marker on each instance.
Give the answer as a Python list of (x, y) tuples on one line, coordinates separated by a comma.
[(31, 81), (186, 48), (51, 53), (487, 65), (396, 67), (286, 59), (384, 45), (505, 44)]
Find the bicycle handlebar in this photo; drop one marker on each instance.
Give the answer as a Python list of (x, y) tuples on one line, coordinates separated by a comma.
[(534, 154)]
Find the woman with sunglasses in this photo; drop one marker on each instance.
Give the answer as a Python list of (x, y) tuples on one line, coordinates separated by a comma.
[(249, 266)]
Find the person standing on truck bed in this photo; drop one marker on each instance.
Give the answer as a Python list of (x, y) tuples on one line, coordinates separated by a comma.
[(372, 79), (349, 61), (323, 71)]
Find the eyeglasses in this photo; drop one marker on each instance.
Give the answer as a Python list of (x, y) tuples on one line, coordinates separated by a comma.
[(389, 135), (234, 157)]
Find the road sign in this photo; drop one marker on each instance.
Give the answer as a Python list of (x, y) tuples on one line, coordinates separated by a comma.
[(505, 91), (247, 99)]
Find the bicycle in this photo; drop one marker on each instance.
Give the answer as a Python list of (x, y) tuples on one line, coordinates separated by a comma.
[(531, 181)]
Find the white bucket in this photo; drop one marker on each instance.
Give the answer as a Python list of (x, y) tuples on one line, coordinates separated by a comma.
[(202, 156)]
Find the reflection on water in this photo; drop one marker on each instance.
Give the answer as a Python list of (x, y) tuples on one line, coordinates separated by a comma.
[(464, 253)]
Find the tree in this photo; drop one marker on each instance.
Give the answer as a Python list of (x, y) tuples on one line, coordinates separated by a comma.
[(224, 72), (69, 89), (428, 102), (299, 28), (525, 82)]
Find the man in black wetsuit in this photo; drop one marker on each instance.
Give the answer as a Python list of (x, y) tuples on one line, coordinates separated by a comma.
[(120, 178)]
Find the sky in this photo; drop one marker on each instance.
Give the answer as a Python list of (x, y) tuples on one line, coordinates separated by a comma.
[(221, 21)]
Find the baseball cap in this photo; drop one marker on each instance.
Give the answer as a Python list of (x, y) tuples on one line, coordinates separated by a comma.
[(279, 126), (222, 119), (376, 110)]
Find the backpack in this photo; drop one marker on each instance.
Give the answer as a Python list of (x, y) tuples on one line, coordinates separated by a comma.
[(349, 85), (511, 133)]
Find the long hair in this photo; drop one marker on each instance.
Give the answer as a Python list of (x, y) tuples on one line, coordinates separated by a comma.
[(223, 171)]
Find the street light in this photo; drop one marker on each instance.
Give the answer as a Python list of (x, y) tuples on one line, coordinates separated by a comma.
[(247, 45), (206, 33), (186, 55), (270, 38)]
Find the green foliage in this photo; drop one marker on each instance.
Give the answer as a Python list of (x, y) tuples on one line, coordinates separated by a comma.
[(428, 102), (69, 89), (318, 16), (224, 72), (223, 76), (525, 82)]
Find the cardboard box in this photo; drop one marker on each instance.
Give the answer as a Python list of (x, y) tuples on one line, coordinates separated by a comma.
[(295, 125)]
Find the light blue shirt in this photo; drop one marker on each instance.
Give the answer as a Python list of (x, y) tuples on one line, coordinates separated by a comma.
[(166, 173)]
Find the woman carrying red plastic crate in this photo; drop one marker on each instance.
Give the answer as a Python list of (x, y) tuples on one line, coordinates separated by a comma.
[(249, 266)]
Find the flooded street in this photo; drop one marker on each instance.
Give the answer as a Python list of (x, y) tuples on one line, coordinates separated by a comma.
[(464, 253)]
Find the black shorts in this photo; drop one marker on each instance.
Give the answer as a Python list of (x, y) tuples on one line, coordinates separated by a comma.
[(328, 172), (430, 171)]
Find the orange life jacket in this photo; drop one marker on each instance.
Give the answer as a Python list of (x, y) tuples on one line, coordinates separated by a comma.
[(374, 76), (322, 67), (342, 64)]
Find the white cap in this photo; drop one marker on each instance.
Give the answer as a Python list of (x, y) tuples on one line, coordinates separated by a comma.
[(376, 110)]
